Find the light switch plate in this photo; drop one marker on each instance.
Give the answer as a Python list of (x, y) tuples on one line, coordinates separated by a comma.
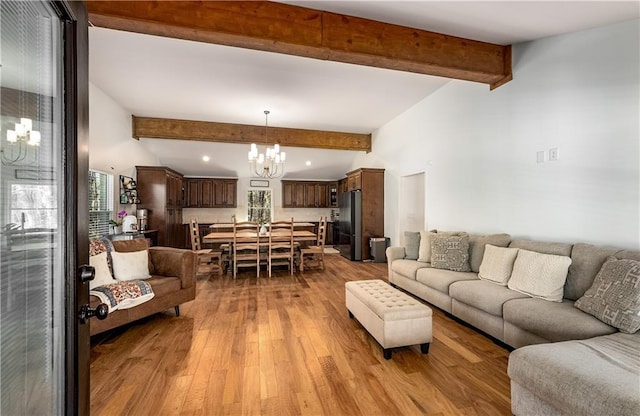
[(540, 156), (554, 154)]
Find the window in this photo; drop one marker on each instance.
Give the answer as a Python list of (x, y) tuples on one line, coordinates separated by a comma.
[(34, 205), (259, 206), (100, 203)]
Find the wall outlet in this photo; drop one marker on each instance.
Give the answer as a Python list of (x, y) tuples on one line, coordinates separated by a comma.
[(540, 156), (554, 154)]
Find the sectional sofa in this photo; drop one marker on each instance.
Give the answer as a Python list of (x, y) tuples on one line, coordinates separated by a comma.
[(570, 362)]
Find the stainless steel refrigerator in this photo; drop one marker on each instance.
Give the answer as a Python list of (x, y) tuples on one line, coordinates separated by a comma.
[(350, 243)]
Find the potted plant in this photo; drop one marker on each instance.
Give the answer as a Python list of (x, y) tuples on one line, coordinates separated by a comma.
[(116, 225)]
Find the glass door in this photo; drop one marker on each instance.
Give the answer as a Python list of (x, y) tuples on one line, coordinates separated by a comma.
[(41, 370)]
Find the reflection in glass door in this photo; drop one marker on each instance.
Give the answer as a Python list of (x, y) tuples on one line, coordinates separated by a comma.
[(32, 192)]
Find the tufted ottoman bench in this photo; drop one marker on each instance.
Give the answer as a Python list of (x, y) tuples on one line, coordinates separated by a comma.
[(393, 318)]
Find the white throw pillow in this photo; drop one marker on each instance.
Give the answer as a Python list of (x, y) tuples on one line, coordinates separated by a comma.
[(424, 252), (103, 274), (130, 266), (497, 264), (540, 275)]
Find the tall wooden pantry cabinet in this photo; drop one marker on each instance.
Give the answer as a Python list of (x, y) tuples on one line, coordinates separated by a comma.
[(161, 191)]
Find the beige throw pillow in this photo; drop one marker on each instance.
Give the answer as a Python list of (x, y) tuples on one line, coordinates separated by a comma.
[(614, 297), (539, 275), (103, 274), (497, 264), (450, 252), (130, 266)]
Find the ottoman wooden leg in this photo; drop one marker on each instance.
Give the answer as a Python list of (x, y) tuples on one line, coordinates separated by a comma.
[(424, 348), (386, 353)]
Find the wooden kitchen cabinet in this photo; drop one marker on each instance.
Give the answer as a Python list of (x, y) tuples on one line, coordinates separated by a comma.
[(163, 192), (354, 181), (293, 194), (211, 193), (308, 194), (225, 193)]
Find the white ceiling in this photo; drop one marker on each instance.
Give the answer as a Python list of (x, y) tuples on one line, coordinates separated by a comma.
[(161, 77)]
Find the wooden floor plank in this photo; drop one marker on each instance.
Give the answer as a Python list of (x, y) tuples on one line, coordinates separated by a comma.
[(286, 346)]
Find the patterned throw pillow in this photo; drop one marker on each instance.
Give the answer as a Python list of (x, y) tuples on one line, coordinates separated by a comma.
[(450, 252), (614, 296)]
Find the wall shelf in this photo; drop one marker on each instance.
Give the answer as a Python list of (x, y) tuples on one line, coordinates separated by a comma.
[(128, 191)]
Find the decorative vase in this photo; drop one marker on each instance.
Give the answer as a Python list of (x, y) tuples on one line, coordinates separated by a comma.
[(263, 229), (117, 229)]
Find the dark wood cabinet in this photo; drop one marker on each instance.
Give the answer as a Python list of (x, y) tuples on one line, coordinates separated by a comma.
[(211, 193), (225, 193), (293, 194), (371, 183), (307, 194), (354, 181), (163, 192)]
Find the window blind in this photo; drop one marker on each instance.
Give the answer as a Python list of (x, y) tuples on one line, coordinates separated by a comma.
[(100, 203)]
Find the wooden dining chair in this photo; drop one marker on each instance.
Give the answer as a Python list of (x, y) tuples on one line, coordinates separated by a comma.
[(281, 245), (212, 258), (246, 246), (315, 254)]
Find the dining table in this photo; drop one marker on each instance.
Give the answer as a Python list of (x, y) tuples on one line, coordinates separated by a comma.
[(227, 236)]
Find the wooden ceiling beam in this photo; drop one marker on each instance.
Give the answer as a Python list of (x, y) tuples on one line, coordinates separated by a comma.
[(300, 31), (166, 128)]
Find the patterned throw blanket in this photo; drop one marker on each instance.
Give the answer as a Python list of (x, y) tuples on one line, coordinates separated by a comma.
[(123, 294)]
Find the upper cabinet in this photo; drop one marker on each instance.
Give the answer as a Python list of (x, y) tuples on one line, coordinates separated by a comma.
[(211, 193), (306, 194)]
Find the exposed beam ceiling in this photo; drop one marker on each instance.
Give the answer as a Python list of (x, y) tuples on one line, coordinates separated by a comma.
[(163, 128), (300, 31)]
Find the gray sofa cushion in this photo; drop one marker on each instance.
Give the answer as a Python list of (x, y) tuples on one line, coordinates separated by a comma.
[(628, 254), (559, 249), (597, 376), (554, 321), (407, 268), (586, 261), (440, 279), (476, 247), (486, 296)]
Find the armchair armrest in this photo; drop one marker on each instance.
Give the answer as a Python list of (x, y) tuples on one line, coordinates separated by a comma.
[(168, 261), (393, 253)]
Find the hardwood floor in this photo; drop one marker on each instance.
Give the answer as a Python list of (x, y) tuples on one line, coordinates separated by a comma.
[(288, 347)]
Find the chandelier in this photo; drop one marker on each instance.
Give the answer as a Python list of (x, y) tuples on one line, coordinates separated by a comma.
[(19, 142), (269, 164)]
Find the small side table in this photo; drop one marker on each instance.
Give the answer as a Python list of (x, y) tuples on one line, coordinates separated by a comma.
[(151, 236)]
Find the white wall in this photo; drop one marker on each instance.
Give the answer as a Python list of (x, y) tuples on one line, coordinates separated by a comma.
[(577, 92), (111, 147)]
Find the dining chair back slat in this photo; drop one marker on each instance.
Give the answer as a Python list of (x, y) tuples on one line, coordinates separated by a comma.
[(315, 253), (212, 258), (246, 246), (281, 245)]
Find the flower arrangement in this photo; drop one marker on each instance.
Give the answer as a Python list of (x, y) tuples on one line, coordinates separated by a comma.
[(118, 222)]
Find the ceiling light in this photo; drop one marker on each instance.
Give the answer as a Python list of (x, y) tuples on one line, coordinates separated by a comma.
[(308, 163), (205, 158), (269, 164), (19, 141)]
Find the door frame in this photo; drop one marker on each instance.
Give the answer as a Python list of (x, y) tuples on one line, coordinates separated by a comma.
[(76, 170)]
